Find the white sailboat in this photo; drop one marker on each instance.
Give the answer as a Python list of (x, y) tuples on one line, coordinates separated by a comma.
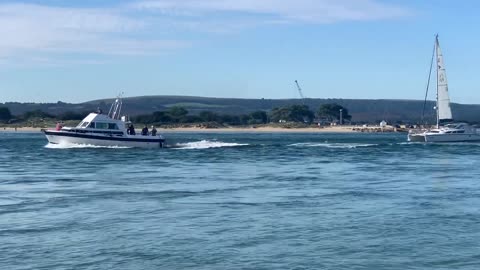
[(454, 132)]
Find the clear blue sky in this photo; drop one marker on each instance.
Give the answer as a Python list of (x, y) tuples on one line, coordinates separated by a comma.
[(54, 50)]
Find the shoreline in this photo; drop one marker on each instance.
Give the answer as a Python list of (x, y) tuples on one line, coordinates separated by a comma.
[(329, 129)]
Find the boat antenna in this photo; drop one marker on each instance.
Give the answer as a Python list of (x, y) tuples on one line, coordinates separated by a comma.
[(300, 92), (116, 107), (428, 81), (120, 96), (111, 110)]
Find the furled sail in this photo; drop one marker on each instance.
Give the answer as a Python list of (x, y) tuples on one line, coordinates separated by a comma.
[(443, 100)]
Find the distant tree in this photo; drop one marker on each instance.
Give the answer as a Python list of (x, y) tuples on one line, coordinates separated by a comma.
[(243, 119), (279, 114), (230, 119), (36, 114), (161, 117), (259, 117), (177, 111), (208, 116), (331, 112), (5, 114), (293, 113), (143, 118), (69, 115), (192, 119), (301, 113), (155, 117)]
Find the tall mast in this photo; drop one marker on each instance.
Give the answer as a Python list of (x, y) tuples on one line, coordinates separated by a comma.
[(437, 103), (428, 82)]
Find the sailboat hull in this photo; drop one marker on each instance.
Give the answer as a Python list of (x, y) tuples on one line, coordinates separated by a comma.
[(425, 137)]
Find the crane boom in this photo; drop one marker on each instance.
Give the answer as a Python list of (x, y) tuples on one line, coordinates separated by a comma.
[(300, 91)]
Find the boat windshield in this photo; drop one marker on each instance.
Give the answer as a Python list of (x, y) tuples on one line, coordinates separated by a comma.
[(83, 124), (456, 126)]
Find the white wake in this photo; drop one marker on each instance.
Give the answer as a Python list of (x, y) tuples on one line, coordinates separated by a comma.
[(205, 144), (334, 145), (72, 145)]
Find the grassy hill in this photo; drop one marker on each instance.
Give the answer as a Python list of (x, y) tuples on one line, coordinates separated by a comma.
[(362, 110)]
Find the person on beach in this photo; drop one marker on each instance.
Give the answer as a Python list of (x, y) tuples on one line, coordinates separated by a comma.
[(154, 131)]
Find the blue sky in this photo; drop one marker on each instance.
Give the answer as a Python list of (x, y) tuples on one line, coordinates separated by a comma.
[(76, 51)]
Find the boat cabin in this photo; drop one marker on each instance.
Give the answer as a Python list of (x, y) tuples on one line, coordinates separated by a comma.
[(101, 124)]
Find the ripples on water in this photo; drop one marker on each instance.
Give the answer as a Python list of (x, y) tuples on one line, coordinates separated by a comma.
[(240, 201)]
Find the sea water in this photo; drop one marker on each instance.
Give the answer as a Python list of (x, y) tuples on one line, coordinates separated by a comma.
[(240, 201)]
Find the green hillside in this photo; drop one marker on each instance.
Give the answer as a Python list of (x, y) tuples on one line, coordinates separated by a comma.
[(362, 110)]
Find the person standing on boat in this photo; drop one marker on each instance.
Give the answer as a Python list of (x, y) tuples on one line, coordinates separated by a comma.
[(154, 131), (145, 131), (131, 130)]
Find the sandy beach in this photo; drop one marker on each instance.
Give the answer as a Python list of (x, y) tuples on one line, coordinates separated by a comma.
[(329, 129), (261, 130), (20, 129)]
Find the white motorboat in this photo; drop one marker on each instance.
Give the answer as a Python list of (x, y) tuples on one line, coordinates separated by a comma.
[(453, 132), (104, 130)]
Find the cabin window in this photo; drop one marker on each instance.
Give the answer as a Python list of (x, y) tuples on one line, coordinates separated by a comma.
[(92, 125), (112, 126), (85, 124), (101, 125)]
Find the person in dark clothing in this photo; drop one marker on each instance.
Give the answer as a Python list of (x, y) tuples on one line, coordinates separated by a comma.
[(131, 130), (145, 131), (154, 131)]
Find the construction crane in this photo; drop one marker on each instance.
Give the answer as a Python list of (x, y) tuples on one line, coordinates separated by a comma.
[(300, 92)]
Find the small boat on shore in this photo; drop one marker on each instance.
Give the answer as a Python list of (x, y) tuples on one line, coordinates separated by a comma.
[(104, 130), (452, 132)]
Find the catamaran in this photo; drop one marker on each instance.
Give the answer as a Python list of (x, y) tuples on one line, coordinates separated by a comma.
[(453, 132), (98, 129)]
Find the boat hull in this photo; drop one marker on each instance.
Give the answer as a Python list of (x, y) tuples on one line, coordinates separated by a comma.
[(468, 137), (68, 138)]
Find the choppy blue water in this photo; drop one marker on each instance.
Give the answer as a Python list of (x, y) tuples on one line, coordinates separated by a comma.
[(241, 201)]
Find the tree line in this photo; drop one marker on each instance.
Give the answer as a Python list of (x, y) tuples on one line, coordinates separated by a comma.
[(177, 114), (292, 113), (6, 116)]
